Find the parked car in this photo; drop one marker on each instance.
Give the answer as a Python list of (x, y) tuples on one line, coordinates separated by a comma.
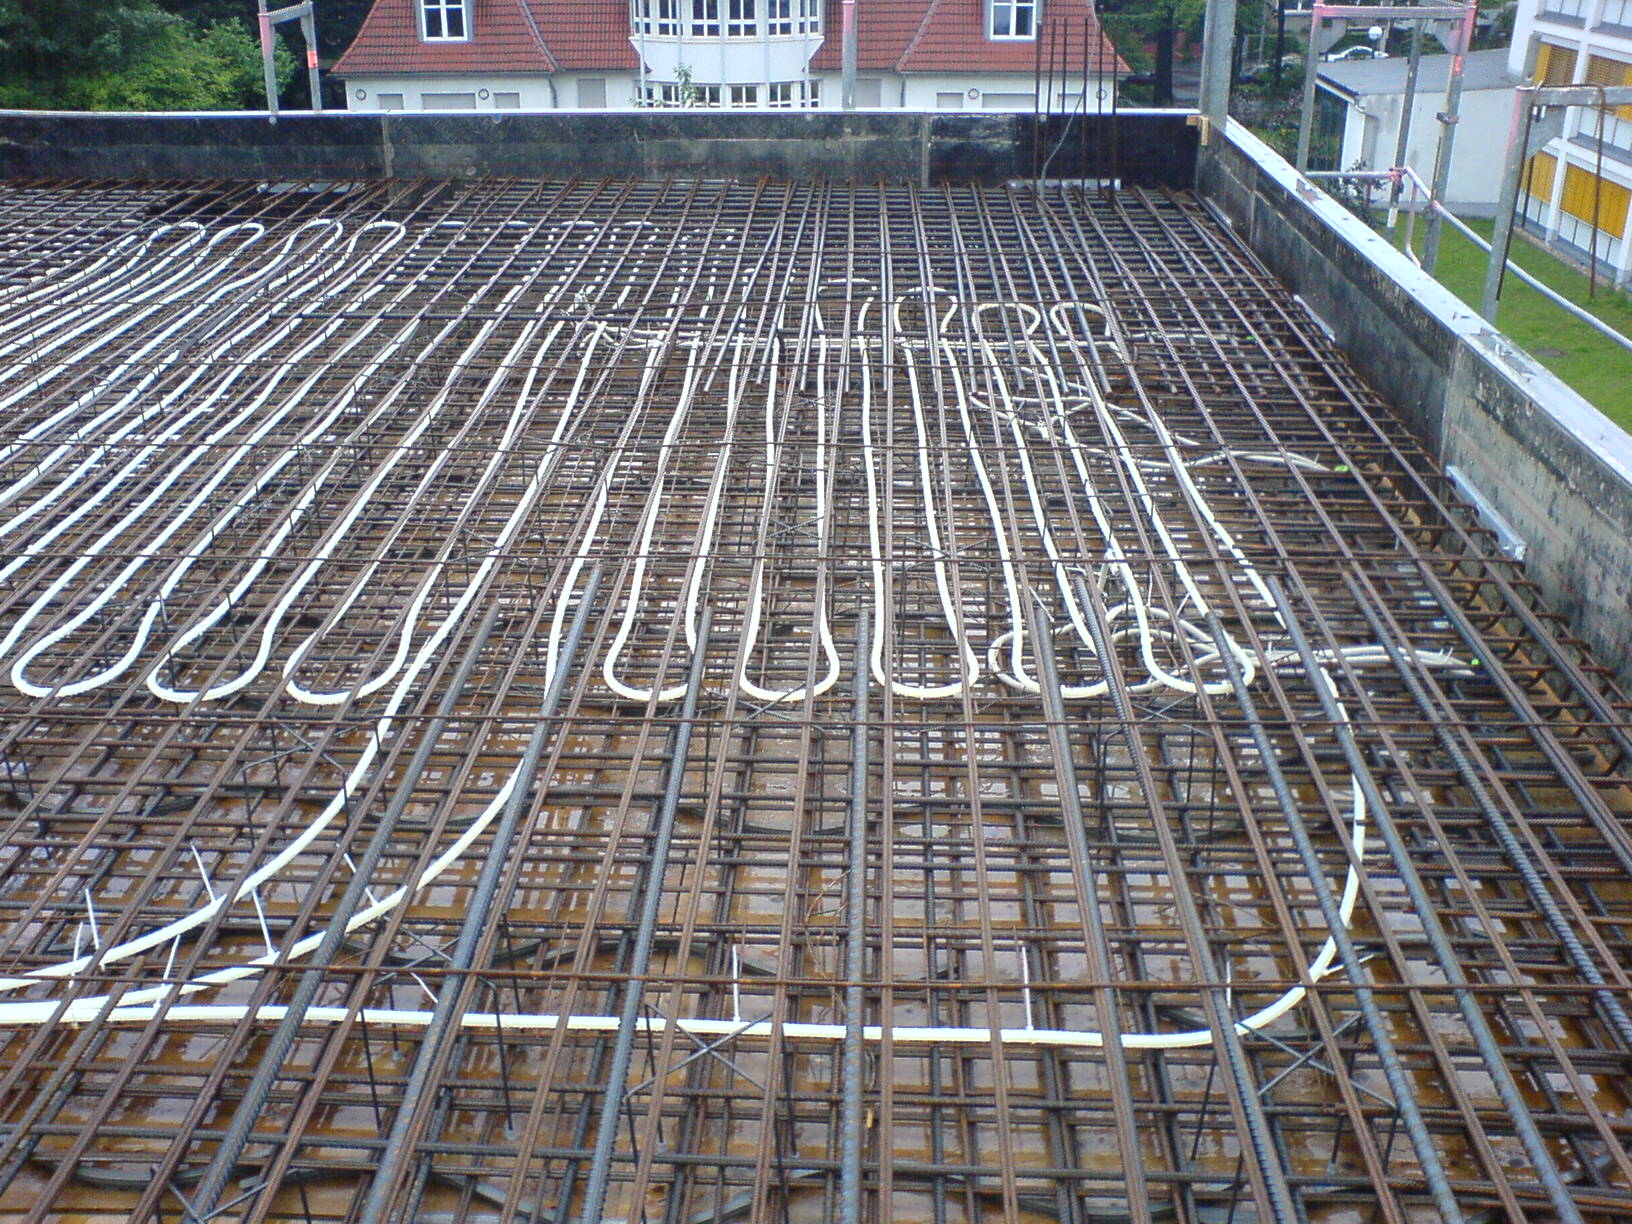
[(1360, 52)]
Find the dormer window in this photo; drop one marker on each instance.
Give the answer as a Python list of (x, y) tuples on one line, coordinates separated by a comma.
[(1012, 18), (444, 20)]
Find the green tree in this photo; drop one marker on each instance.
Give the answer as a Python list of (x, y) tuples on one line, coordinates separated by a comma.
[(125, 55), (337, 20), (1132, 24)]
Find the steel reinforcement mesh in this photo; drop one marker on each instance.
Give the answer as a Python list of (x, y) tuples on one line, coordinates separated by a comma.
[(725, 702)]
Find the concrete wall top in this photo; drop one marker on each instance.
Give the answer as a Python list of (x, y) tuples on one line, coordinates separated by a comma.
[(1553, 466), (869, 146)]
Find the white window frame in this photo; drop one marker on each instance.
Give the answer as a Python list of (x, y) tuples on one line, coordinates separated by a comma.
[(705, 19), (435, 14), (658, 17), (672, 94), (1003, 19), (741, 18), (793, 95)]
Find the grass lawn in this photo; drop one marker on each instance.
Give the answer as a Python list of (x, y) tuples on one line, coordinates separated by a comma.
[(1590, 362)]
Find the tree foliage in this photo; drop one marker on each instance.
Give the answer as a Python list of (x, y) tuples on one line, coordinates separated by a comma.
[(337, 20), (126, 55), (1135, 24)]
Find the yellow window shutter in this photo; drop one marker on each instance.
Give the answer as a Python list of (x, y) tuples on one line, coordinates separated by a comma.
[(1555, 64), (1582, 194), (1538, 176), (1601, 70)]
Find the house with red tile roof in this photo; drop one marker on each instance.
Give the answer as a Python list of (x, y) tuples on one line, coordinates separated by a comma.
[(539, 55)]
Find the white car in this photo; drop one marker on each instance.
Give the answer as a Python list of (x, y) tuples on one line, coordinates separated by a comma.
[(1355, 53)]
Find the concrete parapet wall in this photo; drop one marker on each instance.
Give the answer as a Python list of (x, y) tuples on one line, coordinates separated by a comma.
[(1551, 464), (871, 146)]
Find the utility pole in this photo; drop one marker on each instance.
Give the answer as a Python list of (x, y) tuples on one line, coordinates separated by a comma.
[(1407, 105), (848, 51), (1217, 53), (1448, 119)]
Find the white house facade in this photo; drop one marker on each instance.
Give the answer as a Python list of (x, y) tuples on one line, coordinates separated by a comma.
[(453, 55)]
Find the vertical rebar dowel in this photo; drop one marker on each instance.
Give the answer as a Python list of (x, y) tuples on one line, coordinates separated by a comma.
[(444, 1021), (283, 1037), (851, 1127), (606, 1135), (1388, 1058)]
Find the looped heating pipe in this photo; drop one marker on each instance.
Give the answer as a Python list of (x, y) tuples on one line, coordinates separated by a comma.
[(407, 666)]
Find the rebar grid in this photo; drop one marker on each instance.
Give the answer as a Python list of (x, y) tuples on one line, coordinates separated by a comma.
[(1239, 838)]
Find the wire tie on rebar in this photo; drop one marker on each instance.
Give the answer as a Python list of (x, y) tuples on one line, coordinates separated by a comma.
[(199, 859), (266, 931), (90, 907), (1025, 979), (736, 990)]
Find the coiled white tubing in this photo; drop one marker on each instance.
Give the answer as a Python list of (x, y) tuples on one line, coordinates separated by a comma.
[(406, 665), (265, 280), (208, 405)]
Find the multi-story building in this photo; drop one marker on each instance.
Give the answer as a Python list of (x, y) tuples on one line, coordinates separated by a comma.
[(1577, 191), (767, 54)]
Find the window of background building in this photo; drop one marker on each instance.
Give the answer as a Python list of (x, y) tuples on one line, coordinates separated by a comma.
[(740, 18), (447, 101), (444, 19), (671, 93), (1008, 101), (591, 93), (788, 94), (1585, 197), (952, 99), (1616, 123), (705, 18), (506, 100), (1555, 65), (1012, 18), (744, 95), (660, 17), (390, 101), (1539, 173)]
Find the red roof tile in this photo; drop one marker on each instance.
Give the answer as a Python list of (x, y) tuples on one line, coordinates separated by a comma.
[(504, 38), (593, 34), (891, 36), (884, 31), (953, 39)]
